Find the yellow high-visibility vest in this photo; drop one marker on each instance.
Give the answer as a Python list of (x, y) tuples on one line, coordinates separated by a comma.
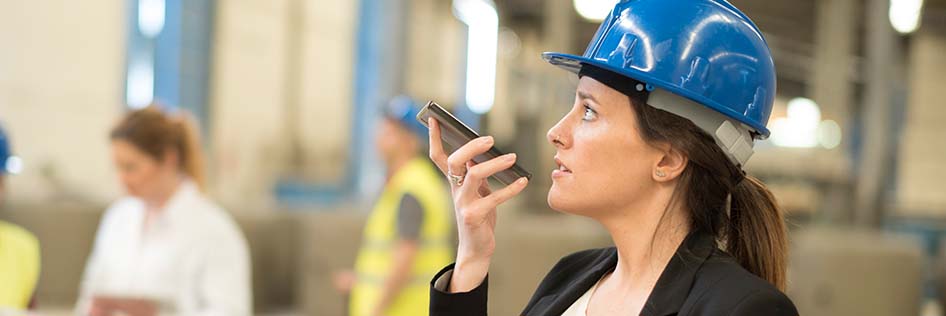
[(375, 259), (19, 266)]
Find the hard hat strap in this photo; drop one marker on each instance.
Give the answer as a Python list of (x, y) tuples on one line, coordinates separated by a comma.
[(732, 136)]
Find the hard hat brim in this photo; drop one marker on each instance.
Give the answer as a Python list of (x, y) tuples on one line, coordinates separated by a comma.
[(573, 63)]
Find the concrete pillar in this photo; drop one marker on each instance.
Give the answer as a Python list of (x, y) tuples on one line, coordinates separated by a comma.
[(61, 90), (295, 18), (558, 25), (248, 90), (923, 147), (830, 81), (876, 128), (436, 42)]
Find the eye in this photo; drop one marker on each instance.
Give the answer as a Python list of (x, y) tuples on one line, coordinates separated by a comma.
[(590, 114)]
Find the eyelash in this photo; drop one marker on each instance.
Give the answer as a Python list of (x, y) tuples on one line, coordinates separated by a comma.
[(588, 110)]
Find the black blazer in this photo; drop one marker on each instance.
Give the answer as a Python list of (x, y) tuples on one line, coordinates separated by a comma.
[(700, 280)]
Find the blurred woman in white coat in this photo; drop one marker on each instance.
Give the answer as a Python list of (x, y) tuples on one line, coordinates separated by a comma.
[(165, 249)]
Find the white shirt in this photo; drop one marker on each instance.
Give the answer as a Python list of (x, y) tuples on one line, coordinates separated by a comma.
[(580, 306), (191, 258)]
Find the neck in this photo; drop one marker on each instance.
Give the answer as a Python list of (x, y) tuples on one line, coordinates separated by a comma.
[(646, 235), (397, 162), (164, 194)]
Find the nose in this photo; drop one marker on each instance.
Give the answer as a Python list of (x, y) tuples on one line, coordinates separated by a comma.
[(560, 134)]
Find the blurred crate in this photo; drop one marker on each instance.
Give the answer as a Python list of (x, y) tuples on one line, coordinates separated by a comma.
[(835, 271)]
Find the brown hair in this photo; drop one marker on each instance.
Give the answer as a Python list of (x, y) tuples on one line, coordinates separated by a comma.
[(155, 133), (754, 231)]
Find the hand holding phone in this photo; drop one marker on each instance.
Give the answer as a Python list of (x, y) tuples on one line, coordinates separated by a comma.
[(455, 133), (475, 203)]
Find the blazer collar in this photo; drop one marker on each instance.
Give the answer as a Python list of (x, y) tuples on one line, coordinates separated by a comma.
[(672, 288)]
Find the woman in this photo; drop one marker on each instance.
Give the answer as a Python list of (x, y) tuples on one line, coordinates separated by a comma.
[(670, 97), (166, 248)]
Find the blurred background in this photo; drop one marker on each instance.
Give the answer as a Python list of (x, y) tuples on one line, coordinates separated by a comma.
[(287, 92)]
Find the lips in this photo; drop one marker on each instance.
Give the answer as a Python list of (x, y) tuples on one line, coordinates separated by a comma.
[(561, 165)]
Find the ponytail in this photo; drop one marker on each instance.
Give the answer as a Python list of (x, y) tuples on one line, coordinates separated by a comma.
[(189, 148), (155, 132), (754, 231), (756, 234)]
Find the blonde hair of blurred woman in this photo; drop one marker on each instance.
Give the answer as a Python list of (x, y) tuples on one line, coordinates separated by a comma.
[(156, 133)]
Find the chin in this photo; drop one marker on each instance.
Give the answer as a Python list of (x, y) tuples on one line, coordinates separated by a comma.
[(559, 200), (132, 192), (574, 202)]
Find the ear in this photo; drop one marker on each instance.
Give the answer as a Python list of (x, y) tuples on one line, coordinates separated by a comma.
[(670, 164)]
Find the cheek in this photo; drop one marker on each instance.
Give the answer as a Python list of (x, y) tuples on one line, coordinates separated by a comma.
[(131, 179), (139, 178), (384, 143), (607, 167), (609, 170), (384, 138)]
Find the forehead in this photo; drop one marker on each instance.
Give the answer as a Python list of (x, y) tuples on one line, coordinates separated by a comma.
[(591, 88), (125, 148), (606, 97), (389, 123)]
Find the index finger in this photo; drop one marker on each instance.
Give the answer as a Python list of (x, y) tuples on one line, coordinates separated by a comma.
[(437, 154)]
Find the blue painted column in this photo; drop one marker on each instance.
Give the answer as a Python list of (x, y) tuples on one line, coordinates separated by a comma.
[(169, 52), (378, 77)]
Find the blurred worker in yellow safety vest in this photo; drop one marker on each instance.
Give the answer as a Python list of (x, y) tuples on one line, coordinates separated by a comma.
[(19, 249), (408, 235)]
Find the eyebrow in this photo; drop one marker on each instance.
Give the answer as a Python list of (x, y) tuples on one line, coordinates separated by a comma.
[(585, 95)]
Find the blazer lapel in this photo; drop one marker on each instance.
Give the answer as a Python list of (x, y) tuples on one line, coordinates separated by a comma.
[(557, 303), (674, 285)]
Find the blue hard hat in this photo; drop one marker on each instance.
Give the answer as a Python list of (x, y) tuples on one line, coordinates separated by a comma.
[(404, 109), (706, 51), (5, 154)]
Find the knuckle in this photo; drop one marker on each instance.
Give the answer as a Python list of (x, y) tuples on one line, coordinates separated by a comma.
[(468, 221), (471, 217), (456, 157), (476, 172), (463, 212), (452, 160)]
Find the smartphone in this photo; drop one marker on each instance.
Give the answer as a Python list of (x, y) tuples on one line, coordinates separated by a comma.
[(457, 134)]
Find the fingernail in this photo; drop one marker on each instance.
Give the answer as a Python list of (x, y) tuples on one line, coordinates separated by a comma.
[(510, 156), (522, 180), (488, 140)]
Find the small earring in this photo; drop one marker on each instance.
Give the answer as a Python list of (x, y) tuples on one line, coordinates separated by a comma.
[(660, 173)]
